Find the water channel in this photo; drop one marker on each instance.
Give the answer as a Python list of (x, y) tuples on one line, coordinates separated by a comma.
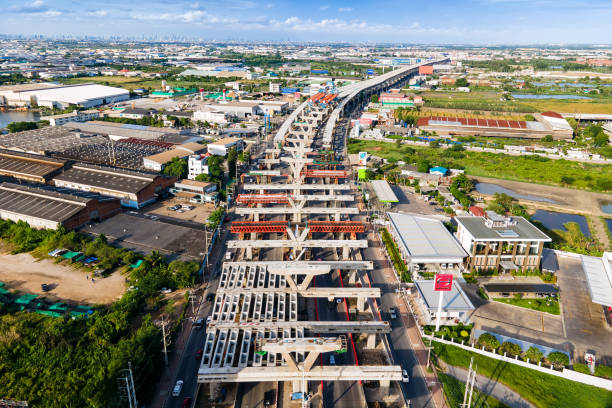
[(555, 220), (14, 116)]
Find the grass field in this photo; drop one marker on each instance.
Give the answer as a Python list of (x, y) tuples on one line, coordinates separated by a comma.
[(490, 101), (454, 390), (542, 390), (531, 169), (535, 304)]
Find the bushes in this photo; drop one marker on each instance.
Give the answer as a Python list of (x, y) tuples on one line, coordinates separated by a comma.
[(393, 252), (533, 354), (483, 294), (489, 341), (558, 359), (510, 349)]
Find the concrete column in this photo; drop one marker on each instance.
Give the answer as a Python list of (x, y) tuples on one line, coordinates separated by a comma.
[(384, 387), (345, 253), (256, 217), (249, 253), (371, 343), (290, 360), (361, 302), (296, 386), (337, 217), (352, 275), (311, 358)]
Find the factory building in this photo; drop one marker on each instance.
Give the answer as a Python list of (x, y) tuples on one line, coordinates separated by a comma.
[(61, 96), (29, 167), (118, 131), (547, 123), (74, 116), (211, 116), (45, 207), (135, 189)]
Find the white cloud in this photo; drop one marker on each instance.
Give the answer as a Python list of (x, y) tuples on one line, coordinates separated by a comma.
[(35, 6), (345, 9), (52, 13), (192, 16), (323, 8), (97, 13)]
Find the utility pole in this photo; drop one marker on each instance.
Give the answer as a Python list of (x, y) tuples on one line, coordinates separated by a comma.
[(472, 385), (469, 385), (166, 341), (126, 386), (192, 298)]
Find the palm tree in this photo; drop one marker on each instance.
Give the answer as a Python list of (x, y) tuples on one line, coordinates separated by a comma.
[(155, 258)]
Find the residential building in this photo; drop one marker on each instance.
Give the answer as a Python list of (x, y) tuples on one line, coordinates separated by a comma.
[(197, 164), (500, 243), (275, 87), (196, 192), (134, 113)]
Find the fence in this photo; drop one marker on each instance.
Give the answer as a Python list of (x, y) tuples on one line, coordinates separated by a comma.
[(564, 373)]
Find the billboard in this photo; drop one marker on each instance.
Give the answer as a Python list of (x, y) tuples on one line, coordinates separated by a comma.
[(363, 158), (426, 70), (370, 72), (443, 282)]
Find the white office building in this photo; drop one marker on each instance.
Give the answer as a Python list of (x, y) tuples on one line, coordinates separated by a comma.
[(197, 164)]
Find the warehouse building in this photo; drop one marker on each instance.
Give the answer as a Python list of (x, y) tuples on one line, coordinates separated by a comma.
[(500, 243), (158, 161), (118, 131), (547, 123), (425, 244), (74, 116), (48, 139), (29, 167), (44, 207), (135, 189), (62, 96)]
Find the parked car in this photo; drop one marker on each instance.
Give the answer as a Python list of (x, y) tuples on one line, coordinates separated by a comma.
[(45, 287), (177, 388), (208, 320)]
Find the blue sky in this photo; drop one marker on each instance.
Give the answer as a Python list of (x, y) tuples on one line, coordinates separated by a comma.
[(403, 21)]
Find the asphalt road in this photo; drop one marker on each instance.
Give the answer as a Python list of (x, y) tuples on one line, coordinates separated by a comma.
[(416, 390)]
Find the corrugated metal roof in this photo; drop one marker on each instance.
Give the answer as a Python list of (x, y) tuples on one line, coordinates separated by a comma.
[(384, 192), (598, 272)]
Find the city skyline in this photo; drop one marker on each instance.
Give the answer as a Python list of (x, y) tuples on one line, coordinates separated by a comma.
[(476, 22)]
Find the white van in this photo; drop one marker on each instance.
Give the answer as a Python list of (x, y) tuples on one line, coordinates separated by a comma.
[(177, 388)]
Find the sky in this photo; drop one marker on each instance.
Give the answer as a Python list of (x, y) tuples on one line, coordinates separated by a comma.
[(479, 22)]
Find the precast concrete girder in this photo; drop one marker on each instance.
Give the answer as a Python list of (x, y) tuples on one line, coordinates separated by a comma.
[(287, 243), (343, 265), (341, 326)]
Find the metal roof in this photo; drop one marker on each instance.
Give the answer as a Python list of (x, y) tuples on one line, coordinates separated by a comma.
[(39, 203), (384, 192), (425, 239), (453, 300), (107, 178), (524, 230), (598, 272)]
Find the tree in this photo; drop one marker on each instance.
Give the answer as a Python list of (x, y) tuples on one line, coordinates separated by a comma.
[(463, 182), (533, 354), (176, 168), (434, 144), (567, 180), (511, 349), (214, 168), (461, 82), (547, 138), (374, 98), (558, 359), (423, 166), (232, 157), (488, 340), (21, 126)]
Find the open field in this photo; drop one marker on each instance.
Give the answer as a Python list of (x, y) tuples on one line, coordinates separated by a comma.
[(24, 273), (530, 169), (199, 214), (542, 390), (490, 100)]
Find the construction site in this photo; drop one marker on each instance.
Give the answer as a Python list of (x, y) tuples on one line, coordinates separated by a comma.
[(294, 306)]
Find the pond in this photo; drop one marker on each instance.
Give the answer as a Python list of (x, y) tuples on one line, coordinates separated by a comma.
[(609, 223), (490, 188), (543, 96), (14, 116), (555, 220), (607, 208)]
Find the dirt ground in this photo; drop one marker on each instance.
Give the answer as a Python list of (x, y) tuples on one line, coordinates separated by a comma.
[(567, 200), (199, 214), (24, 273)]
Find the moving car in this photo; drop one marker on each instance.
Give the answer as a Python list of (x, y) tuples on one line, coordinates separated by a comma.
[(177, 388), (187, 402), (393, 313), (405, 377), (198, 354)]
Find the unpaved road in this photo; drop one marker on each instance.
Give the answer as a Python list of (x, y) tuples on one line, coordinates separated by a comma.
[(24, 273)]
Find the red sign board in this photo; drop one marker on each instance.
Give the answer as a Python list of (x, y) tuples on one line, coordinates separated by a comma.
[(443, 282)]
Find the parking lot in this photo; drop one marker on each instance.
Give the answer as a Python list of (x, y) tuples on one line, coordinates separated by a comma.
[(198, 213), (412, 203)]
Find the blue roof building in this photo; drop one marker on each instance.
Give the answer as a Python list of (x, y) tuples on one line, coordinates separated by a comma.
[(438, 170)]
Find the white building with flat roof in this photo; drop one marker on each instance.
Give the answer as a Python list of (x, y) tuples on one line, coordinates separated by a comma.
[(74, 116), (222, 146), (63, 96)]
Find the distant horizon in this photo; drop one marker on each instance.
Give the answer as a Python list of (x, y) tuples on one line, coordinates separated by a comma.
[(438, 22)]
